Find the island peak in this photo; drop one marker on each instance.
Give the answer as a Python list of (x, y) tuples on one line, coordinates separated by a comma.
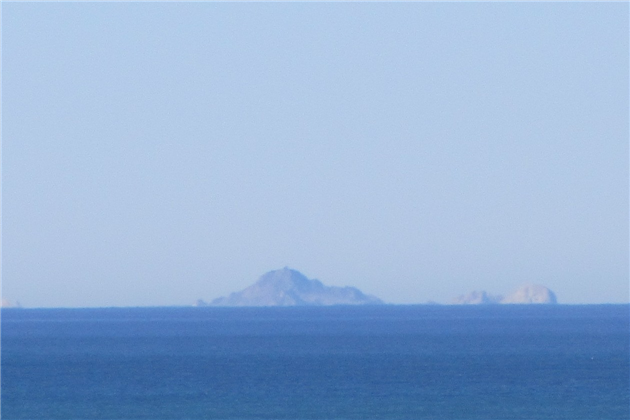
[(288, 287)]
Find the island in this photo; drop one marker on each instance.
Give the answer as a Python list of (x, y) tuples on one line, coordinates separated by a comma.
[(288, 287), (8, 304), (526, 294)]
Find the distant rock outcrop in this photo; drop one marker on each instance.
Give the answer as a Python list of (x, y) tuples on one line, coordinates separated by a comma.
[(288, 287), (531, 293), (8, 304), (476, 298), (526, 294)]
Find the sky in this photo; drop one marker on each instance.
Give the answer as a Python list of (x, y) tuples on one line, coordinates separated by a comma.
[(158, 153)]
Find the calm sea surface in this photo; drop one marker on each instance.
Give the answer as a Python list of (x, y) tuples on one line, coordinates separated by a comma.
[(382, 362)]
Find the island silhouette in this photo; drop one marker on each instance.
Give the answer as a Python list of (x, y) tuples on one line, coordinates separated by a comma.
[(288, 287)]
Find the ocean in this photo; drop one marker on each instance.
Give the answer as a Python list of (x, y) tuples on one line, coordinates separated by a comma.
[(370, 362)]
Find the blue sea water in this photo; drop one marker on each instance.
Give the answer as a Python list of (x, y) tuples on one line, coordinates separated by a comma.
[(380, 362)]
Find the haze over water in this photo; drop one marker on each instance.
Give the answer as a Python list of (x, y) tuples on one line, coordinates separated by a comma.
[(158, 153)]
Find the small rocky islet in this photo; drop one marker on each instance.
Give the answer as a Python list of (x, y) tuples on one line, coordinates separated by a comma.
[(526, 294)]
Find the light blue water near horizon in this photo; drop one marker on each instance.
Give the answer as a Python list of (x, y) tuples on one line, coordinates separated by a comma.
[(380, 362)]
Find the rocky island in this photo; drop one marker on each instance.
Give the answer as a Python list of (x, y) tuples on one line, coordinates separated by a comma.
[(8, 304), (529, 293), (287, 287)]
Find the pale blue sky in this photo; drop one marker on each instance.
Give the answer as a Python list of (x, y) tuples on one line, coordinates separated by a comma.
[(157, 153)]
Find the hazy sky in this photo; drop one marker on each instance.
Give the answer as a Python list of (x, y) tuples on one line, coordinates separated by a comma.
[(157, 153)]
